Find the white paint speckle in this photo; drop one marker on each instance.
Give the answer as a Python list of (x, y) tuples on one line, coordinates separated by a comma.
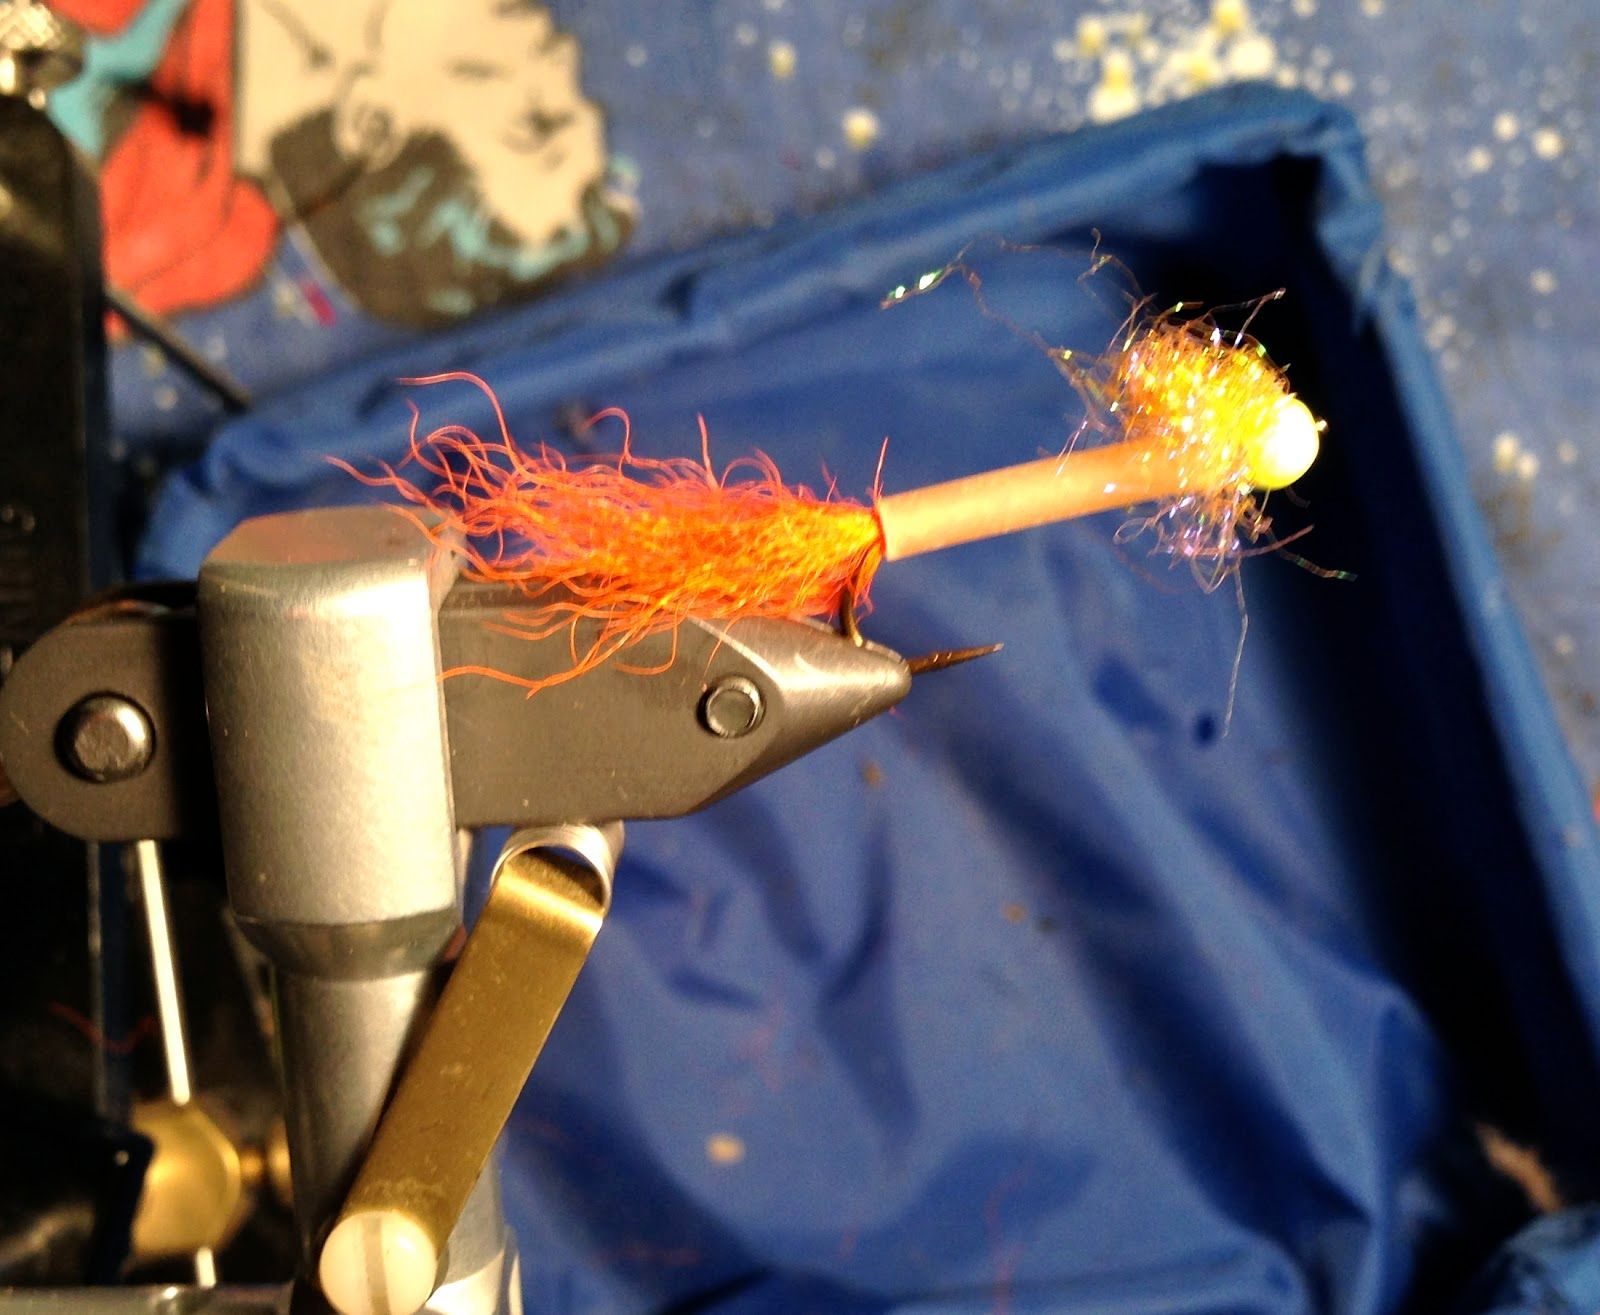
[(1252, 56), (781, 59), (1567, 452), (1139, 62), (724, 1148), (1527, 466), (1542, 281), (745, 34), (861, 127), (1507, 447), (1505, 125), (1114, 96), (636, 55), (1230, 17), (1548, 143), (1400, 173), (1564, 645), (1480, 159)]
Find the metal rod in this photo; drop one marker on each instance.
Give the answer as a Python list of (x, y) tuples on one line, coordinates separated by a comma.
[(233, 395), (98, 999), (163, 963), (169, 1003)]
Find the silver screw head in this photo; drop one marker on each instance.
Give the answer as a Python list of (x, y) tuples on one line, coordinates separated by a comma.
[(106, 738), (732, 707)]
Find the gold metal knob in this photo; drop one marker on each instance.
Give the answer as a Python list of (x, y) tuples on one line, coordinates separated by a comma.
[(200, 1184)]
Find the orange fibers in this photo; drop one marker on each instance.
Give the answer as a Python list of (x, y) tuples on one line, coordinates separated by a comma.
[(632, 543)]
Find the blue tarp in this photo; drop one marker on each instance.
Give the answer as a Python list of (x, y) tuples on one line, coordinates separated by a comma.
[(1044, 993)]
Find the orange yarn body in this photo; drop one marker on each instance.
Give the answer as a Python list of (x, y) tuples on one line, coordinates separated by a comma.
[(631, 543)]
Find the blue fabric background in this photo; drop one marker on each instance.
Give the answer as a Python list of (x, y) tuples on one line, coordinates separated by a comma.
[(1480, 123), (1041, 994)]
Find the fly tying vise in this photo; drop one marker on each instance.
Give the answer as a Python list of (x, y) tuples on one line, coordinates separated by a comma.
[(1203, 425)]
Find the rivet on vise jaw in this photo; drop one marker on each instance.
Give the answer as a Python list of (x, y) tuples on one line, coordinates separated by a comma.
[(731, 708), (106, 738)]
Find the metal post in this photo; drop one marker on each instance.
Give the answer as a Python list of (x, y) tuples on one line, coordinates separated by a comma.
[(319, 641), (169, 1002)]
